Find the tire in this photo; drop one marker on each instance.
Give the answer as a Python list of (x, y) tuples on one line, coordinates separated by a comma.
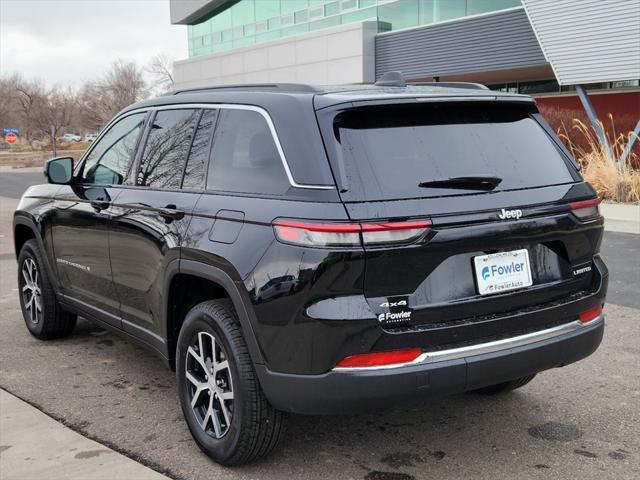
[(43, 315), (505, 386), (254, 427)]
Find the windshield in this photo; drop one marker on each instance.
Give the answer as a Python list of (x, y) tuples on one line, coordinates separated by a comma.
[(411, 151)]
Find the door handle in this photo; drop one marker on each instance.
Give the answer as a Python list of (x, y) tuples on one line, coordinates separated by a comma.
[(99, 205), (170, 213)]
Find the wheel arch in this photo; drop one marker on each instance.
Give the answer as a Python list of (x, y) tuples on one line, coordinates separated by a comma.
[(213, 283), (24, 229)]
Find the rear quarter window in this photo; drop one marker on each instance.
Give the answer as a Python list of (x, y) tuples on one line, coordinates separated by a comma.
[(386, 152), (244, 157)]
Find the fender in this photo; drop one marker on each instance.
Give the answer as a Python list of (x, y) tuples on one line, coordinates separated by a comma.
[(214, 274), (20, 218)]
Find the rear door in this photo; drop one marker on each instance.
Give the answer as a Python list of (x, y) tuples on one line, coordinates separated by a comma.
[(152, 214), (426, 161)]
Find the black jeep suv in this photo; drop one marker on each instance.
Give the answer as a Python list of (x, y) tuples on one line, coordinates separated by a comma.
[(289, 248)]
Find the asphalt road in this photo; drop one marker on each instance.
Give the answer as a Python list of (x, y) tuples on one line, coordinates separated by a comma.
[(581, 421)]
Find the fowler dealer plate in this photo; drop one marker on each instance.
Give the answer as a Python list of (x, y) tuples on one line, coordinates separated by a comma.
[(501, 272)]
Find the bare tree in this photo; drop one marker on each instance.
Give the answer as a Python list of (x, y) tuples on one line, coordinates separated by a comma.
[(121, 86), (161, 69), (44, 112)]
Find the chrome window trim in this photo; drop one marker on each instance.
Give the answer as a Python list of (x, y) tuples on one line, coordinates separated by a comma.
[(217, 106), (483, 348)]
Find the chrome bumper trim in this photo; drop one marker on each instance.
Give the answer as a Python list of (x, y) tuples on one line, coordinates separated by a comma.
[(482, 348)]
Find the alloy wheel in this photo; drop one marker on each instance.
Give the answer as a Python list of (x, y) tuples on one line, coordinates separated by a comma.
[(31, 290), (209, 384)]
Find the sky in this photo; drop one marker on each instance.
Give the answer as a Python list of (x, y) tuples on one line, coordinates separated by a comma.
[(67, 42)]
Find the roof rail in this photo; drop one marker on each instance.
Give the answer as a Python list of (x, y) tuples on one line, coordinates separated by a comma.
[(470, 86), (285, 87), (396, 79)]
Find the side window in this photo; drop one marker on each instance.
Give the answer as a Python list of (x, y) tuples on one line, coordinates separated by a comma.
[(109, 160), (244, 157), (165, 152), (196, 169)]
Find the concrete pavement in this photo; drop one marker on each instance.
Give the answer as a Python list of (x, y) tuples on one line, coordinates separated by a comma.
[(34, 446)]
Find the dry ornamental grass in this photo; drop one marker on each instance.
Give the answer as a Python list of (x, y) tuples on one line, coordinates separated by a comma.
[(618, 182)]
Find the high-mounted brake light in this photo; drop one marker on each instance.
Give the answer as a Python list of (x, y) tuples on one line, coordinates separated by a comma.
[(378, 359), (591, 314), (348, 234), (586, 209)]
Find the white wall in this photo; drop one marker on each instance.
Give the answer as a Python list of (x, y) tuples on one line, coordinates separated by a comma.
[(339, 55)]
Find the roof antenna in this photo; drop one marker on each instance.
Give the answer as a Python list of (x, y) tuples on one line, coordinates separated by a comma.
[(391, 79)]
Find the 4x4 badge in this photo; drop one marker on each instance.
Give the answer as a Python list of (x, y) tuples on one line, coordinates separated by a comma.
[(401, 303)]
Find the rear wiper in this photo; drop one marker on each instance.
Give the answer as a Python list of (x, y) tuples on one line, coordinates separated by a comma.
[(475, 182)]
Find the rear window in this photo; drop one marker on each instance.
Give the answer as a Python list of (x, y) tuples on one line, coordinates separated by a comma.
[(387, 152)]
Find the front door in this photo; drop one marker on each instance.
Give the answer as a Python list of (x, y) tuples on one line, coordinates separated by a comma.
[(82, 221)]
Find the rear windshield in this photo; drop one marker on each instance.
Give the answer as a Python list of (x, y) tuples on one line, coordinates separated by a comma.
[(387, 152)]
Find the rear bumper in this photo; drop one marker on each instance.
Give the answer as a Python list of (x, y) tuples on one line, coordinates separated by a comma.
[(437, 374)]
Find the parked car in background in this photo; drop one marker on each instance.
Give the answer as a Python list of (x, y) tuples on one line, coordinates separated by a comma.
[(90, 137), (292, 248), (70, 137)]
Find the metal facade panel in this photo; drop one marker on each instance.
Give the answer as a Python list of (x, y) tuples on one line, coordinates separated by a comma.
[(497, 41), (588, 41)]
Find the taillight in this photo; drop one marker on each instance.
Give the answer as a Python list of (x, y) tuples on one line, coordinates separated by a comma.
[(315, 234), (591, 314), (586, 209), (378, 359)]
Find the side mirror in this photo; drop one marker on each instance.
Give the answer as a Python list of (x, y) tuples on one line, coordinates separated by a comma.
[(59, 170)]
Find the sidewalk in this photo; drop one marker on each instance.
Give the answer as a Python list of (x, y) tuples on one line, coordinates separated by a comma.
[(33, 446), (621, 217)]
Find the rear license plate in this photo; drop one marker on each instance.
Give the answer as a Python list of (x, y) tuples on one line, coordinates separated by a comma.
[(501, 272)]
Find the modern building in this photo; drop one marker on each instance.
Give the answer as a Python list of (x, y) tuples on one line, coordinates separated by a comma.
[(539, 47)]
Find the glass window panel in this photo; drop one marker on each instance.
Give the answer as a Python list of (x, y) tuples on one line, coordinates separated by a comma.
[(541, 86), (274, 23), (243, 13), (426, 13), (222, 21), (316, 12), (286, 20), (238, 32), (266, 9), (243, 42), (449, 9), (626, 83), (249, 29), (268, 36), (287, 6), (401, 14), (244, 157), (359, 15), (475, 7), (109, 160), (227, 35), (301, 16), (295, 30), (332, 8), (165, 152), (325, 23), (367, 3), (262, 26), (348, 4), (195, 171)]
